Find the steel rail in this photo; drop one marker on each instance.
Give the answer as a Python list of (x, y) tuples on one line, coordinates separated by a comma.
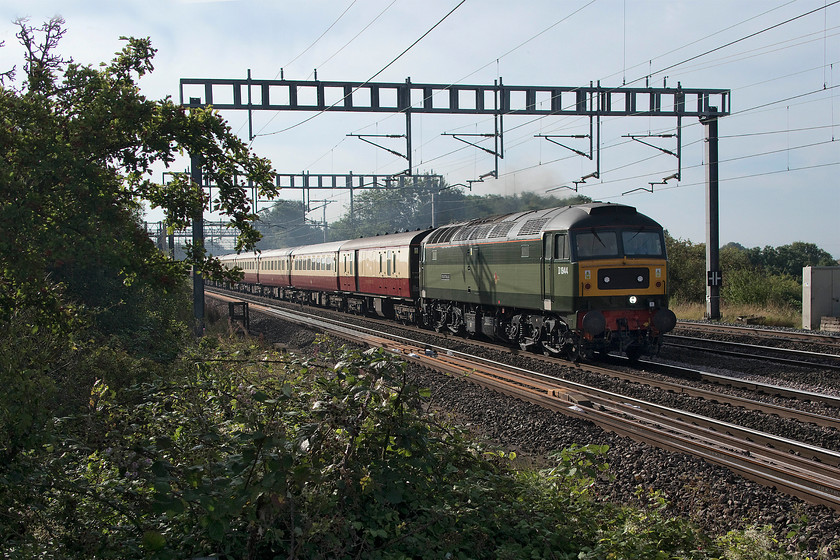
[(816, 338), (751, 385), (768, 349), (723, 398), (698, 375)]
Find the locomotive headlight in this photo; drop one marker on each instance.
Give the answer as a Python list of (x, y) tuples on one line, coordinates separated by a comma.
[(632, 300), (640, 279)]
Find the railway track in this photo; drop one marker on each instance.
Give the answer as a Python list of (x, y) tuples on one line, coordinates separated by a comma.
[(775, 354), (769, 334), (799, 469)]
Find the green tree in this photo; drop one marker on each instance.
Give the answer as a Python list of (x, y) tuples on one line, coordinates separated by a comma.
[(410, 208), (284, 225), (399, 208), (83, 291), (686, 269), (790, 259), (80, 144)]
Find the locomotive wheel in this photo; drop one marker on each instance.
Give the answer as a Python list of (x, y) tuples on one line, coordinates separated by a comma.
[(633, 353)]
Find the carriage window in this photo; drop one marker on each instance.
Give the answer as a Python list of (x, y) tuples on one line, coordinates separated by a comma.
[(642, 243), (594, 244)]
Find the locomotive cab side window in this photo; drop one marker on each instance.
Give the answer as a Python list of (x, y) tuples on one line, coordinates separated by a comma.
[(561, 247)]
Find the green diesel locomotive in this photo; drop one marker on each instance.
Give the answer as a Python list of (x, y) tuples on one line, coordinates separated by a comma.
[(574, 280)]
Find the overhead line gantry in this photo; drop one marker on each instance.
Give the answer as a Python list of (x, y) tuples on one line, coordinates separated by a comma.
[(499, 100)]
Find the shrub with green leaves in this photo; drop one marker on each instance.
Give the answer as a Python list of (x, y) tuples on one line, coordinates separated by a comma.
[(250, 454)]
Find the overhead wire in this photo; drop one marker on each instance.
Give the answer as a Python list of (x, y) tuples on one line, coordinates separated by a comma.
[(321, 36), (304, 51), (683, 62), (319, 113), (587, 5), (495, 60), (726, 45), (365, 28), (740, 39)]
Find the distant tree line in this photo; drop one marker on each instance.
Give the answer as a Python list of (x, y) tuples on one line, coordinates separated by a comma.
[(390, 210), (752, 276), (769, 276)]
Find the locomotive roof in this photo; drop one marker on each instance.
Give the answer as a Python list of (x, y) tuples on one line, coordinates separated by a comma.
[(531, 224)]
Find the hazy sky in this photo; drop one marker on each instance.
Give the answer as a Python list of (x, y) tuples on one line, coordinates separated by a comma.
[(781, 59)]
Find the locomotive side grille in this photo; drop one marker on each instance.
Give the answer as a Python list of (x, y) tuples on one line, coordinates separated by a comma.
[(436, 236), (623, 278), (481, 232), (533, 226), (501, 230), (463, 233)]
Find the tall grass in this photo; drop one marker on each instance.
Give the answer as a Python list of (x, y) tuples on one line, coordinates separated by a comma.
[(773, 316)]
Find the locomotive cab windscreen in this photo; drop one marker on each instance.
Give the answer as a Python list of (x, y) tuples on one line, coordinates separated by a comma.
[(613, 243)]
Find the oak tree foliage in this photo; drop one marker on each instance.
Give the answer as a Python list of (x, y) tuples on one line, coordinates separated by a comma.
[(80, 145)]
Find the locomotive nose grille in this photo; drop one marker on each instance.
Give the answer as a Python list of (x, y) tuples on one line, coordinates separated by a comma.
[(623, 278)]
